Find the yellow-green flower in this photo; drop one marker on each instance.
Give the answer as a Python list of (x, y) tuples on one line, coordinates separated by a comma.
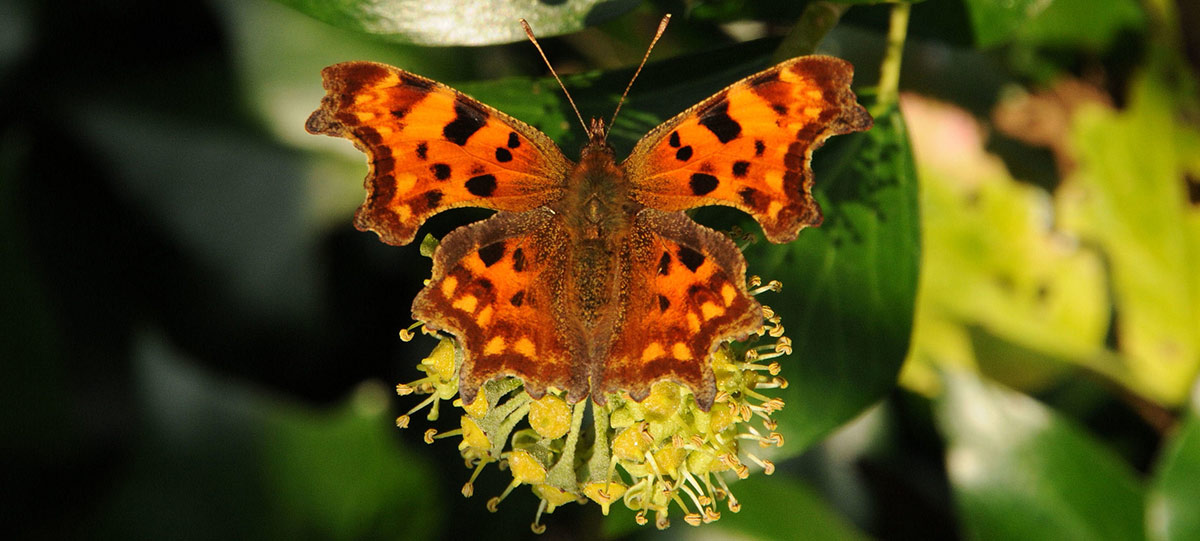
[(663, 455)]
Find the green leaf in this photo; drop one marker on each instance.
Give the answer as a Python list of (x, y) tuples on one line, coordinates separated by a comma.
[(996, 22), (1172, 512), (784, 508), (1130, 198), (466, 22), (1082, 24), (849, 286), (1085, 23), (1019, 471)]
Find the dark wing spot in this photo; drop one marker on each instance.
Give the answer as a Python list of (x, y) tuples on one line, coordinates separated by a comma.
[(718, 121), (482, 185), (690, 258), (369, 136), (779, 109), (384, 163), (664, 264), (467, 121), (684, 154), (440, 171), (399, 113), (518, 260), (794, 159), (759, 147), (513, 140), (503, 155), (433, 198), (674, 139), (491, 253), (694, 291), (740, 168), (422, 150), (484, 284), (702, 183), (518, 298), (414, 81), (749, 196), (663, 303)]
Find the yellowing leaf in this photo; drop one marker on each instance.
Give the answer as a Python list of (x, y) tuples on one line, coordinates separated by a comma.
[(992, 261), (1129, 197)]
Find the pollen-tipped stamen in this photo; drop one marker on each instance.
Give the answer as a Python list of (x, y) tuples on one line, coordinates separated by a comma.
[(406, 335), (767, 466), (494, 504), (774, 286), (537, 526)]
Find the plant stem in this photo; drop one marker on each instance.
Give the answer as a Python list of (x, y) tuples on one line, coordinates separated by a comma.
[(816, 21), (889, 70)]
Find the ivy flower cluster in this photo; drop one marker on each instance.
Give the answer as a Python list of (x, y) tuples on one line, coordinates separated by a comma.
[(659, 457)]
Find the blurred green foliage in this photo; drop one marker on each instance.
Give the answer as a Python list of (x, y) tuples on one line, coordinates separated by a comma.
[(197, 344)]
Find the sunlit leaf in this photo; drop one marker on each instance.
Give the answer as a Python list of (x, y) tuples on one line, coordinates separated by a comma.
[(470, 22), (1130, 197), (1019, 471), (994, 270)]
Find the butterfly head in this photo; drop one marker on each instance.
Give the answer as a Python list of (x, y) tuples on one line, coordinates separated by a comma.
[(597, 132)]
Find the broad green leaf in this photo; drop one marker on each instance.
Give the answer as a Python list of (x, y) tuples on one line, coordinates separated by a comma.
[(849, 286), (245, 465), (1129, 197), (779, 507), (1019, 471), (1172, 512), (1086, 23), (993, 269), (466, 22), (1082, 24), (995, 22)]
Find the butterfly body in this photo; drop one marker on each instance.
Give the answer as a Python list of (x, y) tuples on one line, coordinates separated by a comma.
[(589, 279)]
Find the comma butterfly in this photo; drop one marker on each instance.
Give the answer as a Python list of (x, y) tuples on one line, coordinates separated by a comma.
[(590, 278)]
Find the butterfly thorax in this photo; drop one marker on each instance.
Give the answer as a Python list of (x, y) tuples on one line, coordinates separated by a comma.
[(597, 211), (596, 203)]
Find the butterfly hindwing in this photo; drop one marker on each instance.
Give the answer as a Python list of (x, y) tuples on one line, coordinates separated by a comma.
[(686, 294), (749, 146), (497, 286), (432, 148)]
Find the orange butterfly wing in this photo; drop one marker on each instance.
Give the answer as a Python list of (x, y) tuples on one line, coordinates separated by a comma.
[(749, 146), (497, 286), (687, 293), (432, 148)]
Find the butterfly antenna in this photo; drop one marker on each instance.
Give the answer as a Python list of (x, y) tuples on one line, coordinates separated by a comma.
[(662, 27), (529, 32)]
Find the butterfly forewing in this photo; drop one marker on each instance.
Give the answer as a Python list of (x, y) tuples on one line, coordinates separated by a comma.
[(749, 146), (432, 148)]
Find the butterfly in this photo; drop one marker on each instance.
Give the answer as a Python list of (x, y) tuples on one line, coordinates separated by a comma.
[(589, 279)]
